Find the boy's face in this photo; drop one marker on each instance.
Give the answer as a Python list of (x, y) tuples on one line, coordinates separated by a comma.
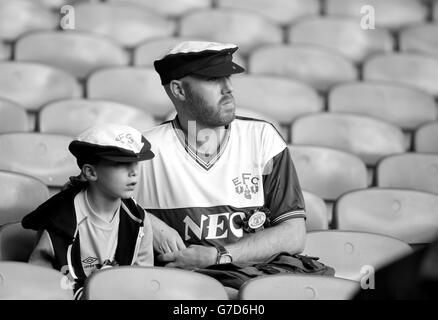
[(116, 179)]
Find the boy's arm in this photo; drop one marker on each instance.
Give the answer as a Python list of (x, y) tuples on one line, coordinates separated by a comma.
[(43, 253)]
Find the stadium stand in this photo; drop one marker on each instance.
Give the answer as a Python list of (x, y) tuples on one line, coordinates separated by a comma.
[(401, 105), (5, 51), (392, 14), (316, 212), (413, 69), (80, 114), (343, 34), (243, 27), (158, 283), (426, 138), (20, 194), (79, 53), (282, 12), (417, 171), (320, 68), (408, 215), (370, 139), (139, 87), (16, 243), (351, 253), (298, 287), (24, 281), (127, 23), (18, 17), (13, 118), (420, 38)]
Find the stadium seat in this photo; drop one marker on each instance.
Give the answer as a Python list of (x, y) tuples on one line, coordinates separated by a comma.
[(408, 215), (247, 29), (32, 85), (170, 8), (139, 87), (354, 254), (282, 98), (369, 138), (20, 16), (5, 51), (147, 283), (316, 212), (16, 243), (413, 69), (57, 4), (426, 138), (320, 68), (392, 14), (417, 171), (343, 34), (282, 12), (13, 118), (127, 23), (44, 156), (19, 195), (298, 287), (327, 172), (79, 53), (435, 11), (80, 114), (25, 281), (401, 105), (420, 38)]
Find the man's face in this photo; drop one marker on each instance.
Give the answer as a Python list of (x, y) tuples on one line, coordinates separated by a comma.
[(209, 101)]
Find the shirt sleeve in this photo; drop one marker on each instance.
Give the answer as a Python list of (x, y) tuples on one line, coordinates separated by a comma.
[(43, 253), (282, 191), (145, 256)]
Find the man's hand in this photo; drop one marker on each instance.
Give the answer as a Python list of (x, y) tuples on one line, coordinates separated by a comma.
[(166, 239), (194, 256)]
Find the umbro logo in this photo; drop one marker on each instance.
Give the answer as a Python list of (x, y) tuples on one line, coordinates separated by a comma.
[(89, 260)]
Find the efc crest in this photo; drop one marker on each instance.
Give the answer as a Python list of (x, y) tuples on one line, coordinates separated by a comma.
[(246, 184)]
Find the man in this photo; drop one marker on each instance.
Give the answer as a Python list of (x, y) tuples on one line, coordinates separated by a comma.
[(225, 185)]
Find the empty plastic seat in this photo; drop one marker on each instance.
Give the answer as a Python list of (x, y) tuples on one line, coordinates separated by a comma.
[(352, 254), (56, 4), (326, 172), (5, 51), (369, 138), (139, 87), (280, 11), (172, 8), (282, 98), (247, 29), (426, 138), (420, 38), (388, 13), (19, 195), (80, 114), (77, 52), (342, 34), (409, 171), (128, 23), (298, 287), (32, 85), (321, 68), (401, 105), (44, 156), (316, 212), (20, 16), (158, 283), (416, 70), (25, 281), (16, 243), (408, 215), (12, 117)]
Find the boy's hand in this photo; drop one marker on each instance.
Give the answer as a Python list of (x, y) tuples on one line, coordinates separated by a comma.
[(193, 257)]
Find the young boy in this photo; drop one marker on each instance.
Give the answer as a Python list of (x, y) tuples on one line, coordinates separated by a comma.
[(95, 223)]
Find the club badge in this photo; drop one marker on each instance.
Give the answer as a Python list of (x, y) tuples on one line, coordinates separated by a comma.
[(257, 220)]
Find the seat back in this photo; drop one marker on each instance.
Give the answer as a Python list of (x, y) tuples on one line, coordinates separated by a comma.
[(16, 243), (169, 8), (152, 283), (298, 287), (326, 172), (420, 38), (5, 51), (354, 254), (408, 215), (425, 139), (19, 195), (25, 281), (13, 117), (316, 212)]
